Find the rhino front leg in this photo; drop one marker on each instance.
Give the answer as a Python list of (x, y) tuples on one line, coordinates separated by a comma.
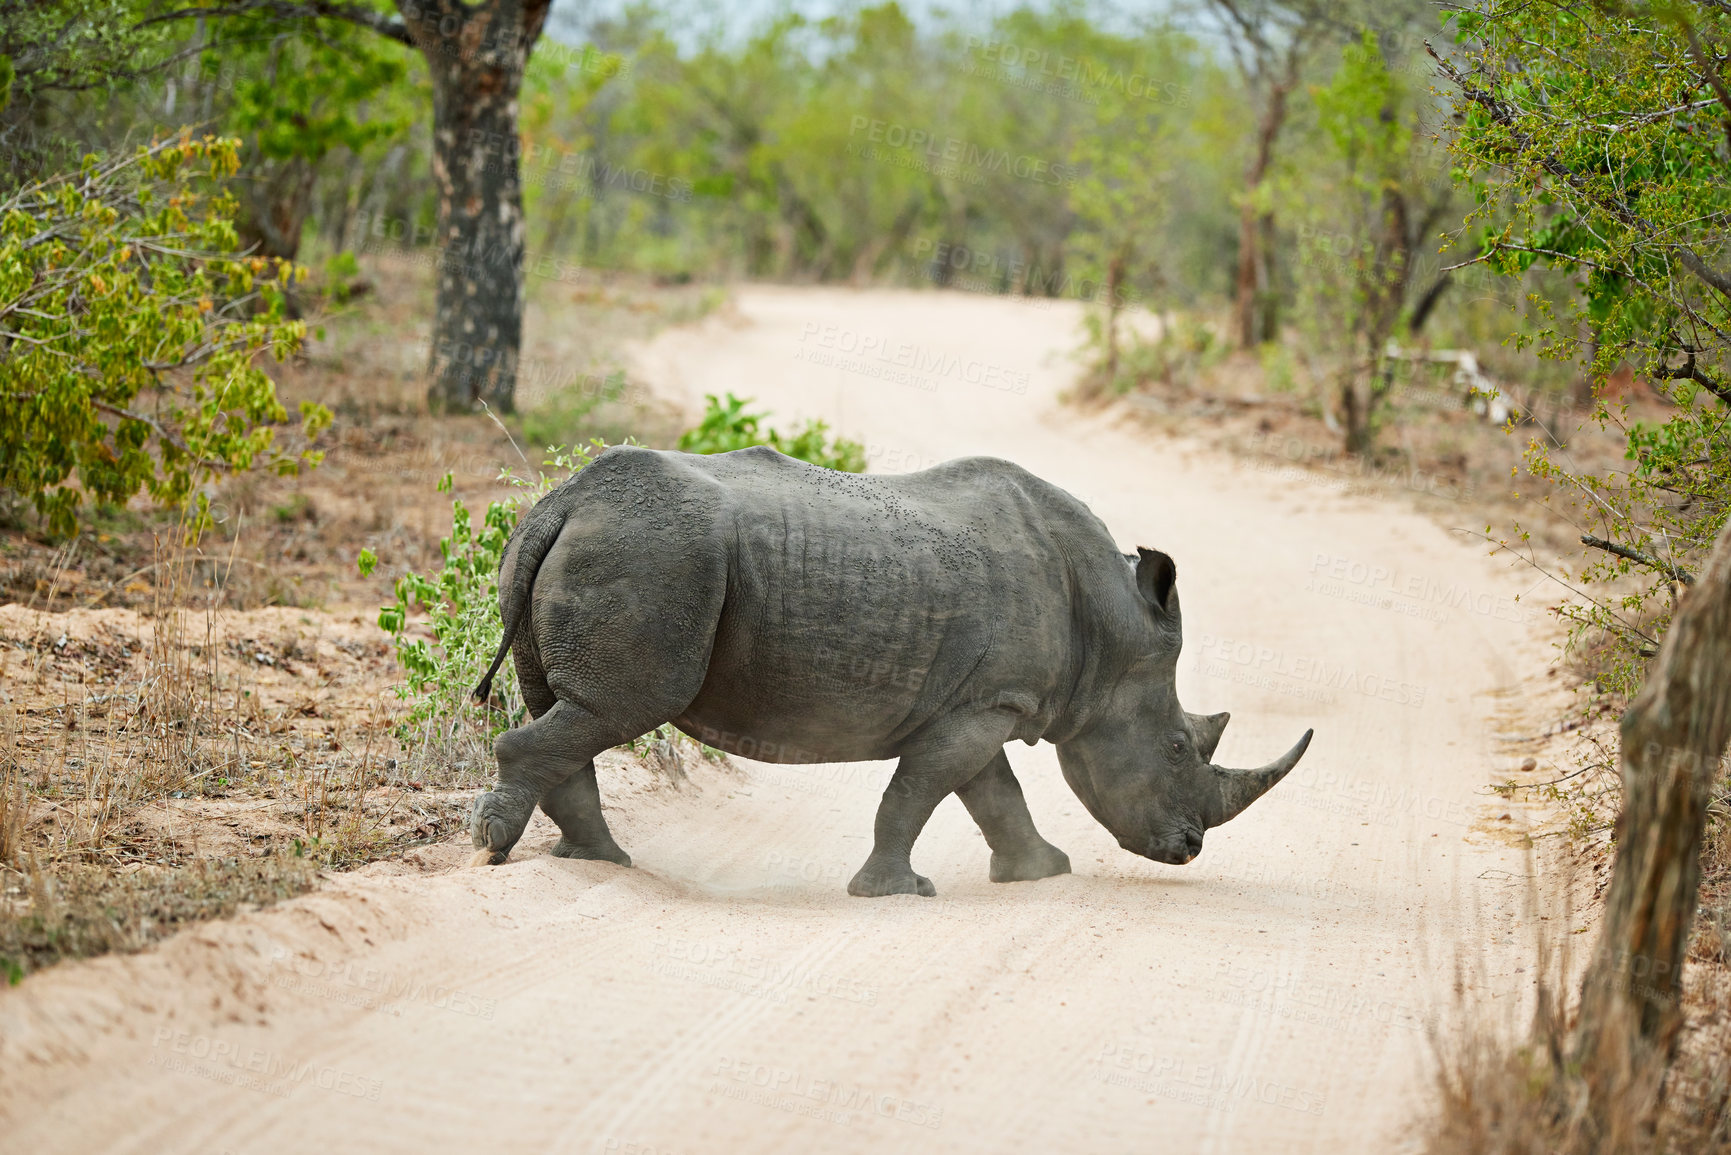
[(921, 780), (575, 805), (994, 799)]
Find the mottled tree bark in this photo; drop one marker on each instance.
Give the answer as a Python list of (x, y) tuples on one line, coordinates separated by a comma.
[(1672, 740), (476, 54)]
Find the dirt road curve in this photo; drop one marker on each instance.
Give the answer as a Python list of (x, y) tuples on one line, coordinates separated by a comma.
[(726, 995)]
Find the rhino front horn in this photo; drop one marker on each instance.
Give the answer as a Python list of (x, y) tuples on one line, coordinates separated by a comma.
[(1239, 788)]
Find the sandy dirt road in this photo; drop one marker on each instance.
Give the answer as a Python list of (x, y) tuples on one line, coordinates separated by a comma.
[(726, 995)]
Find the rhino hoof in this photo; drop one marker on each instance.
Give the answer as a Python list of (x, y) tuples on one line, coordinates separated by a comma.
[(874, 881), (495, 825), (565, 848), (1040, 862)]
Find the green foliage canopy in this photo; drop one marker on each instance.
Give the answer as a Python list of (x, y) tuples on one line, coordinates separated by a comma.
[(1605, 156), (130, 330)]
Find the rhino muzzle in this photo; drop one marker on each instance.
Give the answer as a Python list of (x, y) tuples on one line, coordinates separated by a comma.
[(1239, 788)]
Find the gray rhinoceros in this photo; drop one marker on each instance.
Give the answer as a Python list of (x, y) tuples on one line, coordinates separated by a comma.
[(790, 613)]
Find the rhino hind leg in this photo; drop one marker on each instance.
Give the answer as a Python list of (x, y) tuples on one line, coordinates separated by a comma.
[(536, 762), (575, 806), (994, 799)]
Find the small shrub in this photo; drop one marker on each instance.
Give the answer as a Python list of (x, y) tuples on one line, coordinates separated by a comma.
[(462, 605), (726, 427)]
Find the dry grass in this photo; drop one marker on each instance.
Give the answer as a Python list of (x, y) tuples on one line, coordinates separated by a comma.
[(189, 727), (1500, 1093), (1509, 1088), (76, 911)]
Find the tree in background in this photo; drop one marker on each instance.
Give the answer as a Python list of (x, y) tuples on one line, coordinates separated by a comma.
[(1126, 162), (1269, 41), (1605, 157), (1374, 205), (64, 48), (293, 99), (475, 55)]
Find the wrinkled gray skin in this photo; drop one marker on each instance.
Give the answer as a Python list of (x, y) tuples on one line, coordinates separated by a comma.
[(795, 614)]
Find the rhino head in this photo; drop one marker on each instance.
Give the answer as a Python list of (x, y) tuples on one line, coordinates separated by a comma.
[(1142, 764)]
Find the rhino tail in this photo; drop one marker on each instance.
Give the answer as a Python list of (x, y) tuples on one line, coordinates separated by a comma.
[(523, 556)]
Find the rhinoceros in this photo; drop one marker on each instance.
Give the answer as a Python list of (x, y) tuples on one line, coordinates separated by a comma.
[(791, 613)]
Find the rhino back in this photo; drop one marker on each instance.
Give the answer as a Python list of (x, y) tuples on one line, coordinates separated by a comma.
[(859, 608)]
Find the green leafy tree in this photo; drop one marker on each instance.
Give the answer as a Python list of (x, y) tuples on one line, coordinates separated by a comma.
[(74, 52), (1125, 163), (475, 56), (294, 94), (130, 334), (1604, 157), (1375, 200)]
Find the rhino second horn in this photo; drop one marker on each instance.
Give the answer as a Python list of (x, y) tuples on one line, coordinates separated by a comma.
[(1239, 788), (1208, 728)]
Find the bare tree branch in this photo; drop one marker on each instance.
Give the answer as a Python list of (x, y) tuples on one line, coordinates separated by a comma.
[(1630, 553), (290, 10)]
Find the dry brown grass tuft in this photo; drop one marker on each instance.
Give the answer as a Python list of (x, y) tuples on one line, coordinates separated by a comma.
[(77, 910), (1513, 1089)]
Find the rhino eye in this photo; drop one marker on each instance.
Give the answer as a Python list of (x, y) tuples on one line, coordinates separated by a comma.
[(1177, 745)]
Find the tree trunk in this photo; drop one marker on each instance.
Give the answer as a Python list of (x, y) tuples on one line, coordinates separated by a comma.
[(1672, 740), (1254, 303), (1115, 270), (274, 204), (476, 55)]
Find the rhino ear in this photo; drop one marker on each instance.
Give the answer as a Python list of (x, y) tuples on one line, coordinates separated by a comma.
[(1156, 575)]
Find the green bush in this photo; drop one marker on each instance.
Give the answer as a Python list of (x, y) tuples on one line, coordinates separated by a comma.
[(726, 427), (462, 604), (131, 329)]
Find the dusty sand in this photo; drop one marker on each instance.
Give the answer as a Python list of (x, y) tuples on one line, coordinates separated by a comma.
[(727, 995)]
